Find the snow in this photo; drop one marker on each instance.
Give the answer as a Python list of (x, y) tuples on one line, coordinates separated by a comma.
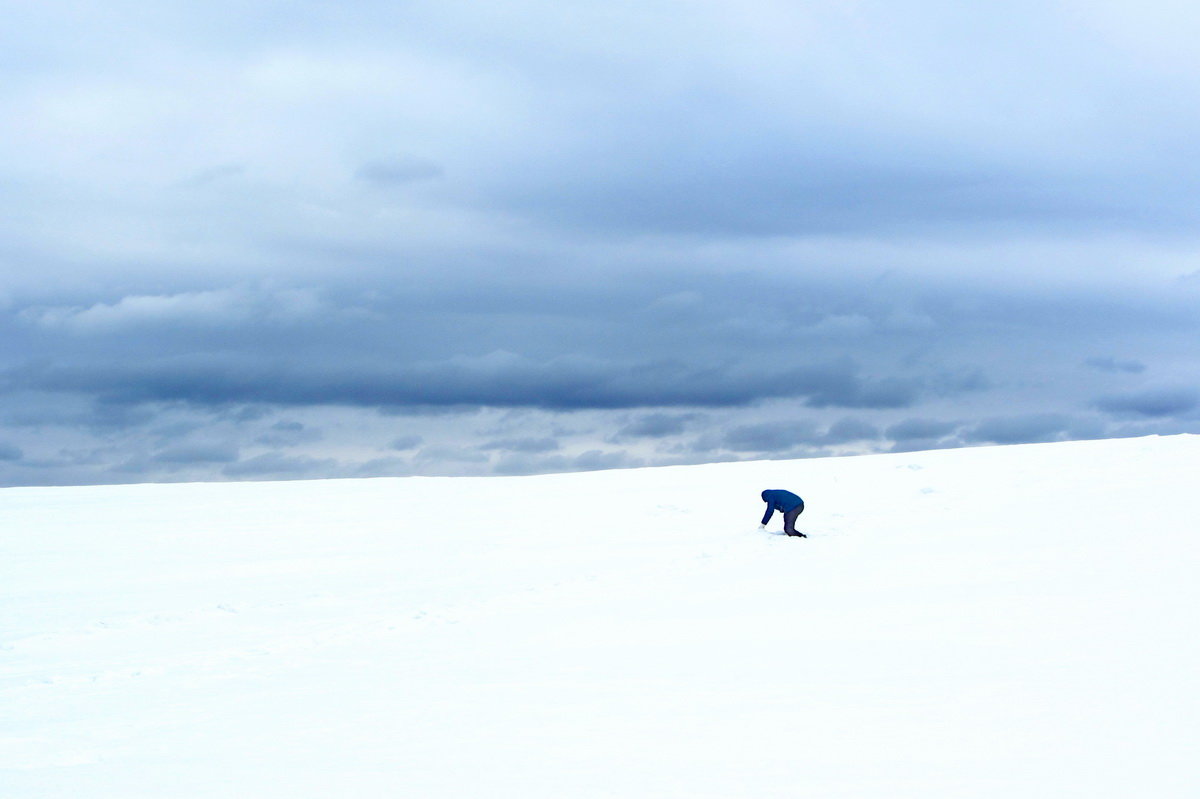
[(992, 622)]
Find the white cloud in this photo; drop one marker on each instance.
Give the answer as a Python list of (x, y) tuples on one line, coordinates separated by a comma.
[(195, 308)]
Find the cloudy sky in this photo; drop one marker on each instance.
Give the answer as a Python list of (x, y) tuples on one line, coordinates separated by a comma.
[(262, 240)]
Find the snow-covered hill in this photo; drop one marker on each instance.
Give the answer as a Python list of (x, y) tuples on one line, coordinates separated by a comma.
[(1000, 622)]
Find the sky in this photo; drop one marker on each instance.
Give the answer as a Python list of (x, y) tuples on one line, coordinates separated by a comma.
[(267, 240)]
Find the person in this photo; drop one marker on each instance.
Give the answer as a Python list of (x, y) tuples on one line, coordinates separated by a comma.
[(787, 503)]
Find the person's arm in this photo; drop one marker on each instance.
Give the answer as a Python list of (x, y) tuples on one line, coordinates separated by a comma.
[(770, 510)]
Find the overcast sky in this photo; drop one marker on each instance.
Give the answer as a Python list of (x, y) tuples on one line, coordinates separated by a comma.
[(260, 240)]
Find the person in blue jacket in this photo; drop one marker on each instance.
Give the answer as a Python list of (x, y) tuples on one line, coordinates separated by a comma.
[(787, 503)]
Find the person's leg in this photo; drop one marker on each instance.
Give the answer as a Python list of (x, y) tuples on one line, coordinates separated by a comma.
[(789, 521)]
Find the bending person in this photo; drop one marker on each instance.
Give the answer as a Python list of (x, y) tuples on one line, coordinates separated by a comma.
[(787, 503)]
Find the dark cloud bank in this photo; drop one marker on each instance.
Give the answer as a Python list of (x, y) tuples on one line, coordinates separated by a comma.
[(159, 397)]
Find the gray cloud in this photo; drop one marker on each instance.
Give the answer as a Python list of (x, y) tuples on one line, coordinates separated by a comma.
[(1108, 363), (922, 444), (656, 425), (854, 393), (788, 193), (594, 460), (950, 382), (212, 174), (911, 429), (288, 434), (406, 442), (520, 463), (497, 380), (9, 452), (849, 429), (788, 436), (769, 436), (1019, 429), (591, 460), (397, 171), (544, 444), (382, 467), (443, 454), (95, 417), (280, 466), (197, 453), (1164, 401)]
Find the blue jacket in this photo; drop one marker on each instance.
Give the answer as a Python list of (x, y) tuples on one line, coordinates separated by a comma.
[(779, 500)]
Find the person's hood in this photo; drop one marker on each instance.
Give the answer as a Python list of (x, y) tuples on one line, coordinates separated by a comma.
[(764, 496)]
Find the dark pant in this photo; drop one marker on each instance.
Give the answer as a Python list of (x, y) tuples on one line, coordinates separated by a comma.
[(789, 519)]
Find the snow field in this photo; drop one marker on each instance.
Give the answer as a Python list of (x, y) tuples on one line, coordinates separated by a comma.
[(993, 622)]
